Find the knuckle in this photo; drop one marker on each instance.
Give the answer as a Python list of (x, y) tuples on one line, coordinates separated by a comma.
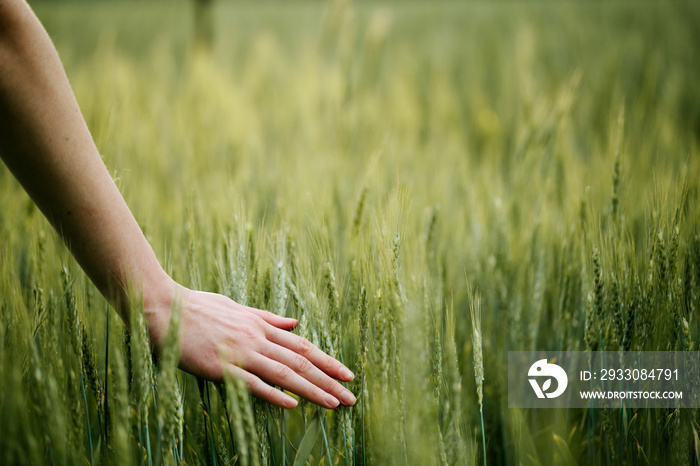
[(319, 396), (272, 393), (331, 386), (305, 347), (260, 389), (302, 364), (251, 333), (253, 383), (282, 372), (330, 365)]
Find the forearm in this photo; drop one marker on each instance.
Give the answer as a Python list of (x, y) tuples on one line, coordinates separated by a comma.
[(46, 144)]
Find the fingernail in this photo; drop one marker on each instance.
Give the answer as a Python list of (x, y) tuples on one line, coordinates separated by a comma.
[(346, 374), (290, 402), (348, 398), (332, 401)]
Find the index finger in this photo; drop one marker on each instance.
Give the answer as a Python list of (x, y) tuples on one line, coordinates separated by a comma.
[(304, 347), (285, 323)]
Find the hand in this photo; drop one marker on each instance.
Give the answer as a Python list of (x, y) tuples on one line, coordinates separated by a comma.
[(221, 336), (46, 144)]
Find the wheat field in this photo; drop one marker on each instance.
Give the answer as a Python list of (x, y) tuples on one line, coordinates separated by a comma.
[(425, 186)]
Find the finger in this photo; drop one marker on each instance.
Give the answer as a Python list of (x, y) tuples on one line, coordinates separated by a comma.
[(305, 348), (261, 390), (307, 370), (285, 323), (279, 374)]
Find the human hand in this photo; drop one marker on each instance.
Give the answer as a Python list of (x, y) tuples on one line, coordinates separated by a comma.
[(221, 336), (45, 142)]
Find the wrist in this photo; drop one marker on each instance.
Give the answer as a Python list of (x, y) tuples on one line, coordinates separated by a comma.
[(154, 289), (159, 294)]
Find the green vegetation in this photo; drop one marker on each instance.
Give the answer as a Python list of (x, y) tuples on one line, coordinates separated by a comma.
[(376, 171)]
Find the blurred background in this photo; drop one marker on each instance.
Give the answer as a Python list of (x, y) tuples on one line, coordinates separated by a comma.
[(373, 168)]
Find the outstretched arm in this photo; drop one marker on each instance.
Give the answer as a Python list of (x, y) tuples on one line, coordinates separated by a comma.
[(46, 144)]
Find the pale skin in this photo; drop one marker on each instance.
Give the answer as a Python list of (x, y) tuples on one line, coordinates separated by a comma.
[(46, 144)]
